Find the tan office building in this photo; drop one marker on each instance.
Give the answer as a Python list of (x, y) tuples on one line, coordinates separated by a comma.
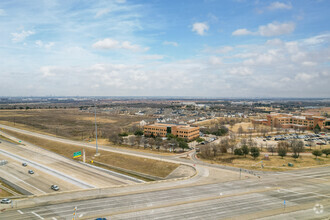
[(305, 121), (161, 130)]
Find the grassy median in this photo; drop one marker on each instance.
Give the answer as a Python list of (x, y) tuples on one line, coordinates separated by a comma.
[(137, 164)]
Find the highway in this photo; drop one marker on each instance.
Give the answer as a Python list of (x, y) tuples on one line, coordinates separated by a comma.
[(216, 192), (254, 198), (51, 168)]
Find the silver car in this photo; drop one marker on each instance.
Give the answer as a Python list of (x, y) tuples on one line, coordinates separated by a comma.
[(5, 201)]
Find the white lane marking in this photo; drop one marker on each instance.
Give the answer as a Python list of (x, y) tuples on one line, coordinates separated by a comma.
[(37, 215), (303, 176), (306, 193), (49, 170), (20, 212), (25, 183)]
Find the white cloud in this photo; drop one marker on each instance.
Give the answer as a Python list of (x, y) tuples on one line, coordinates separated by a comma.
[(319, 39), (172, 43), (109, 43), (39, 43), (269, 30), (200, 28), (279, 5), (242, 31), (303, 76), (215, 60), (121, 1), (242, 71), (102, 12), (224, 49), (275, 29), (18, 37), (153, 57), (47, 71), (309, 63), (2, 12)]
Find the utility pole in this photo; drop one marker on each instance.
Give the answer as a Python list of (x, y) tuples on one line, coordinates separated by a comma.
[(97, 152)]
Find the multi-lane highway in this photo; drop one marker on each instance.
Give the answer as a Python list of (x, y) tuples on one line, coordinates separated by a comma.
[(214, 193), (50, 168), (272, 195)]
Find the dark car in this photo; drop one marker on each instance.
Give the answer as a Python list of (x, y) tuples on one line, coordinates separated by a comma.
[(55, 187), (31, 172), (24, 164)]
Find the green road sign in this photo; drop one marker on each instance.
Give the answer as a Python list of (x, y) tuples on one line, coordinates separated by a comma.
[(77, 154)]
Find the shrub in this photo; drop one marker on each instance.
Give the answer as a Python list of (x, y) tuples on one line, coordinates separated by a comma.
[(238, 151), (317, 153), (255, 152)]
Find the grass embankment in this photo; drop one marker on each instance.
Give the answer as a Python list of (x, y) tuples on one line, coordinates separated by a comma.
[(4, 193), (275, 163), (8, 140), (137, 164)]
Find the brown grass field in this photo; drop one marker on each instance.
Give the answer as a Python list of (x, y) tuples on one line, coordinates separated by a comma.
[(147, 166), (69, 123), (275, 163)]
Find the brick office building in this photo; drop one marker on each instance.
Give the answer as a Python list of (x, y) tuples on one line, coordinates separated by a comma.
[(162, 129)]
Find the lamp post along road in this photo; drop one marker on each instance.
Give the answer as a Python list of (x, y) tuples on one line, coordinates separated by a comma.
[(97, 152)]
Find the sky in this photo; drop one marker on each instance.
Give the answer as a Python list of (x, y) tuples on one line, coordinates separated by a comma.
[(206, 48)]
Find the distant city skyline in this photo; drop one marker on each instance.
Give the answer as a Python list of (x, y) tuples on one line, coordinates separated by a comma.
[(206, 48)]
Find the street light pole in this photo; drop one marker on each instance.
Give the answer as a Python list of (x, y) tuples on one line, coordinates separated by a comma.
[(97, 153)]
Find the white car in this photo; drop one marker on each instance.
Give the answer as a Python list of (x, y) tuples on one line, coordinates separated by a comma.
[(54, 187), (5, 201)]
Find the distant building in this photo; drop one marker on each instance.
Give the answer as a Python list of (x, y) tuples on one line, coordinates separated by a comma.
[(162, 129), (143, 123), (305, 121)]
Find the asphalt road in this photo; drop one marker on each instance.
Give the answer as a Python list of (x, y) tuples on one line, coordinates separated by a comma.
[(281, 195), (51, 169), (252, 198)]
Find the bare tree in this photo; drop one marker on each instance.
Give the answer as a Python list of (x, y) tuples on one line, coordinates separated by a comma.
[(284, 144), (151, 142), (297, 147), (131, 140), (138, 140), (240, 130), (271, 148), (158, 142)]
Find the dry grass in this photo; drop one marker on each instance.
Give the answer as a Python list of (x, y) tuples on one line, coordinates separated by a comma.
[(7, 139), (275, 163), (4, 193), (147, 166), (68, 123), (245, 126)]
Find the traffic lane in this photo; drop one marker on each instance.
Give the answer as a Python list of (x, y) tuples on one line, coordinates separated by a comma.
[(65, 166), (40, 180), (223, 207), (131, 202), (148, 199)]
